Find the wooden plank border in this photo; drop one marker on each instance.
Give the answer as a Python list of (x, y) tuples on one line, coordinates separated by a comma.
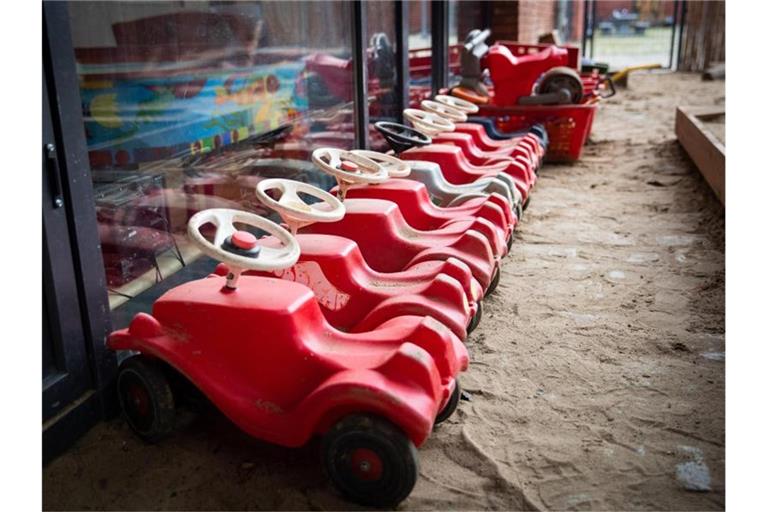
[(706, 150)]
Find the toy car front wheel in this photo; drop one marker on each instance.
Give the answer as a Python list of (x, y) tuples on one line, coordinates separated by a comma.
[(146, 398), (510, 241), (370, 460), (450, 406), (475, 320), (494, 281)]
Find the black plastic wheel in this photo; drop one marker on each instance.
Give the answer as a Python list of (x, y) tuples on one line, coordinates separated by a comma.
[(370, 461), (494, 281), (519, 212), (146, 398), (510, 241), (562, 78), (450, 406), (475, 320)]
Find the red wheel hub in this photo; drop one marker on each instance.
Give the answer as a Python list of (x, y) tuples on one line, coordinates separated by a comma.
[(366, 464), (139, 399)]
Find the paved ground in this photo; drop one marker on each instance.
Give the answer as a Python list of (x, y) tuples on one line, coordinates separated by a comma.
[(597, 379)]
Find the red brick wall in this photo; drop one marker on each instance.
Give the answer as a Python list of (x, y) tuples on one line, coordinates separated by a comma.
[(577, 20), (535, 17), (522, 20), (503, 20)]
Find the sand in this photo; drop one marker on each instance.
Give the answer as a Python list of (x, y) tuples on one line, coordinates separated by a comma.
[(597, 375)]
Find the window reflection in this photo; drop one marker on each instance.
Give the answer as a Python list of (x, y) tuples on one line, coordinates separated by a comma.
[(463, 16), (188, 104), (420, 48), (382, 71)]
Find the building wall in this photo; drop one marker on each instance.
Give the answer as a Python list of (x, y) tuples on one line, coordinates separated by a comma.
[(523, 20), (534, 18)]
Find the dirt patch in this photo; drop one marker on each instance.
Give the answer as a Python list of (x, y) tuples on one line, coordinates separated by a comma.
[(597, 375)]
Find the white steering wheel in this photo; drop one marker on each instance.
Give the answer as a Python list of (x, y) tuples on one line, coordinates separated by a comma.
[(395, 167), (427, 122), (293, 209), (443, 110), (457, 103), (240, 249), (348, 168)]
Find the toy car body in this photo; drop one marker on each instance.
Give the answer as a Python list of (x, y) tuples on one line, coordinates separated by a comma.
[(417, 209), (389, 244), (528, 158), (200, 329), (485, 142), (458, 170), (356, 298), (266, 357), (445, 194), (495, 134), (514, 77), (479, 147)]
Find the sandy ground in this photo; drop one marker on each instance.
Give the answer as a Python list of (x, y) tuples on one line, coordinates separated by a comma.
[(597, 375)]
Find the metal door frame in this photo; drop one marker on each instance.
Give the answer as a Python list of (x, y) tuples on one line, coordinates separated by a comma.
[(88, 283)]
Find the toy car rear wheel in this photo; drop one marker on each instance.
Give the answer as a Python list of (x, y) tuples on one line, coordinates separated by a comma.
[(370, 461), (475, 320), (494, 281), (519, 212), (562, 78), (450, 406), (146, 398)]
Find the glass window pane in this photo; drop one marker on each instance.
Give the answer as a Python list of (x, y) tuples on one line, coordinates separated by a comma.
[(187, 105), (382, 70), (463, 16), (636, 34), (420, 47)]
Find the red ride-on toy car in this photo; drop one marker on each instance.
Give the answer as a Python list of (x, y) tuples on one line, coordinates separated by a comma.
[(387, 241), (418, 210), (402, 138), (541, 78), (368, 171), (521, 165), (457, 170), (262, 352), (525, 149), (352, 296), (481, 137)]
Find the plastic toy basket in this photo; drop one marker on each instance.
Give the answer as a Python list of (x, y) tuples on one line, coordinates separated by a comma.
[(568, 126)]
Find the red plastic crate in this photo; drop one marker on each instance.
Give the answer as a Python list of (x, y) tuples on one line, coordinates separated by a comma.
[(568, 126)]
